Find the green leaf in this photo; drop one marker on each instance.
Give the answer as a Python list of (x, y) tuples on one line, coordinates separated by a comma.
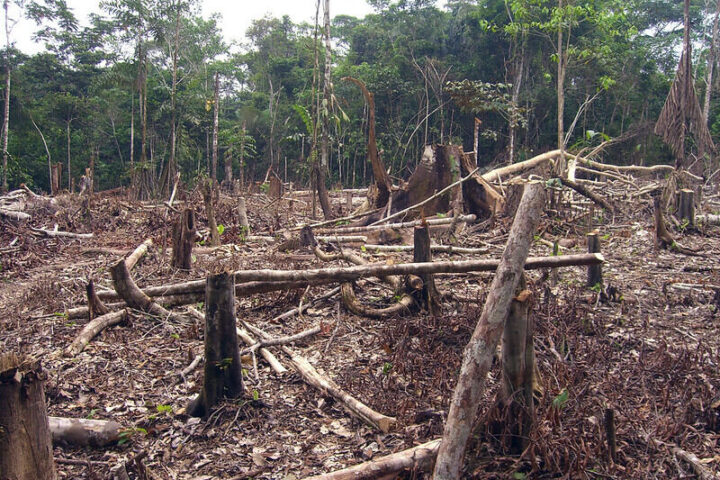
[(559, 402), (256, 395), (164, 408), (220, 229)]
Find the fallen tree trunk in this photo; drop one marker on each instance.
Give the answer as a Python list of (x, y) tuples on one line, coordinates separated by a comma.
[(58, 233), (417, 459), (479, 196), (83, 432), (515, 168), (479, 352), (259, 281), (434, 248), (330, 388), (133, 296), (90, 330), (588, 193), (137, 254), (12, 214), (415, 223), (625, 168)]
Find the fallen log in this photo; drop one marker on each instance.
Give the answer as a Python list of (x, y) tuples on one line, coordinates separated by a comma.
[(481, 348), (625, 168), (450, 249), (515, 168), (137, 254), (415, 223), (417, 459), (259, 281), (133, 296), (83, 432), (90, 330), (588, 193), (13, 215), (708, 219), (330, 388), (271, 342), (59, 233)]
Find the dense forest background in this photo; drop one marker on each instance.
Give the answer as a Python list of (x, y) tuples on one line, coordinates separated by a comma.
[(133, 93)]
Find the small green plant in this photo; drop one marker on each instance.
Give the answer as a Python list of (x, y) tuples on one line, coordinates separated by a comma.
[(519, 476), (387, 366), (255, 395), (175, 336), (362, 248), (605, 237), (561, 399), (220, 229), (164, 408), (126, 434), (598, 287), (265, 187), (342, 222), (92, 413), (244, 231)]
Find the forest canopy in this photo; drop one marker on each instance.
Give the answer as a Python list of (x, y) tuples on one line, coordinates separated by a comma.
[(133, 92)]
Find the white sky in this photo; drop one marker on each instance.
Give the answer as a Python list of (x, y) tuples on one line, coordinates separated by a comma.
[(236, 15)]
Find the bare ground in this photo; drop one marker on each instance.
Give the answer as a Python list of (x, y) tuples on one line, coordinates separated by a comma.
[(651, 352)]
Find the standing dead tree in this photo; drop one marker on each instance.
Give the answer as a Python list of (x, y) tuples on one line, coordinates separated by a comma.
[(481, 348), (382, 181), (681, 115), (183, 239)]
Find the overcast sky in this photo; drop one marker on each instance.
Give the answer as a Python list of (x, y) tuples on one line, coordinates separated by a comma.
[(236, 15)]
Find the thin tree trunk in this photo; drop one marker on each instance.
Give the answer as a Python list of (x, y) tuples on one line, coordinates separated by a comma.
[(480, 350), (6, 113), (67, 133), (172, 163), (216, 110), (711, 65)]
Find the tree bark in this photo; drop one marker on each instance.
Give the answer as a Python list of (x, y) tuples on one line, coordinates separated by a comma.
[(6, 111), (183, 238), (25, 442), (242, 217), (594, 271), (481, 348), (382, 180), (83, 432), (421, 254), (223, 370), (216, 110), (686, 206), (209, 196), (518, 365), (417, 459)]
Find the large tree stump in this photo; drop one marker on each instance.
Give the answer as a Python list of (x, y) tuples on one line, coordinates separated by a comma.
[(183, 238), (56, 178), (25, 441), (223, 371)]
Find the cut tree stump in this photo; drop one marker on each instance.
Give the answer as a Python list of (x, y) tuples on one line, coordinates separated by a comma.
[(518, 370), (83, 432), (422, 253), (480, 351), (183, 238), (223, 370), (25, 441), (242, 217), (686, 206), (594, 271), (210, 195)]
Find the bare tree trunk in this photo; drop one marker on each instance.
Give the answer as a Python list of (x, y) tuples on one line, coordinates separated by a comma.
[(216, 110), (67, 136), (209, 195), (6, 112), (25, 441), (712, 58), (481, 348), (183, 239), (223, 370)]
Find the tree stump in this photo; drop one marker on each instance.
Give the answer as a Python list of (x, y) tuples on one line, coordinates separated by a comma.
[(422, 253), (210, 196), (25, 441), (275, 186), (56, 178), (686, 206), (594, 271), (518, 362), (183, 239), (242, 217), (223, 371)]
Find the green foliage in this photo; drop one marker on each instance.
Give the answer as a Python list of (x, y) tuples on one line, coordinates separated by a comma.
[(561, 399), (221, 229), (163, 409)]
